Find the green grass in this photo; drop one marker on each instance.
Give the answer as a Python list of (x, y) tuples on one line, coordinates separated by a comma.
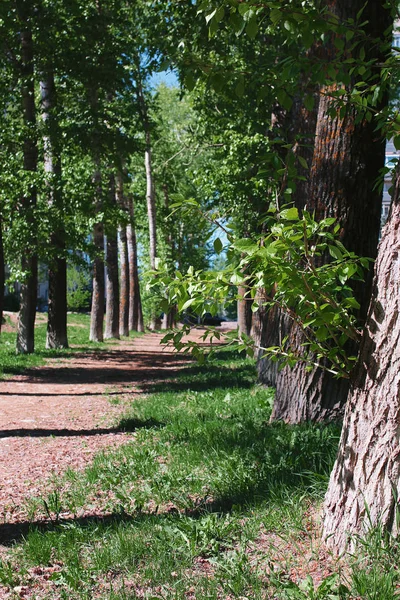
[(180, 510), (78, 336)]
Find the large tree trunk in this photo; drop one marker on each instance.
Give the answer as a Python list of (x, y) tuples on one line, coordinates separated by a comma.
[(28, 293), (57, 312), (298, 127), (348, 157), (135, 304), (365, 482), (112, 285), (244, 311)]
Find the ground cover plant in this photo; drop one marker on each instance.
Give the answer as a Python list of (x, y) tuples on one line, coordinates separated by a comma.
[(207, 500)]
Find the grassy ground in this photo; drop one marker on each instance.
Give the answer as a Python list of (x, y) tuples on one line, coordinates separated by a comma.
[(78, 337), (208, 501)]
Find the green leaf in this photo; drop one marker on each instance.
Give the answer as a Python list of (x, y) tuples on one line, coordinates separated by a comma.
[(210, 16), (335, 252), (303, 162), (218, 246), (252, 28), (309, 102), (290, 214), (275, 15), (188, 303)]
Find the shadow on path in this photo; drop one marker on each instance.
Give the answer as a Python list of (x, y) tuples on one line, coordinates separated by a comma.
[(125, 426)]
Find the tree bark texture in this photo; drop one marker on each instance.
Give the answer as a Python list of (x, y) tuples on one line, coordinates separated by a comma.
[(123, 263), (298, 128), (364, 485), (135, 305), (28, 292), (112, 279), (349, 154), (57, 273)]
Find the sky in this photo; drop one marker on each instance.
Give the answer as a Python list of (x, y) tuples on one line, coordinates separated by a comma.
[(167, 77)]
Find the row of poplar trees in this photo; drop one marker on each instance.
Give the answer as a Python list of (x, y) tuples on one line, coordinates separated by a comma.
[(308, 80)]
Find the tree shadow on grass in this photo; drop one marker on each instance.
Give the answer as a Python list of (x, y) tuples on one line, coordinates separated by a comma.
[(288, 458), (203, 378)]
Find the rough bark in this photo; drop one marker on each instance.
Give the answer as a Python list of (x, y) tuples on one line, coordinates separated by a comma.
[(365, 481), (112, 280), (135, 305), (57, 273), (28, 292), (298, 127), (348, 156), (267, 331)]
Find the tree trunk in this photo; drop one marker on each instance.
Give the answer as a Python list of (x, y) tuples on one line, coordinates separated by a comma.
[(135, 305), (151, 202), (348, 156), (267, 331), (28, 293), (244, 311), (168, 320), (57, 312), (123, 264), (2, 273), (97, 312), (124, 283), (364, 486), (112, 283), (299, 127), (150, 192)]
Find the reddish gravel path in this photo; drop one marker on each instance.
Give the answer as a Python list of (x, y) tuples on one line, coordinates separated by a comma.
[(58, 416)]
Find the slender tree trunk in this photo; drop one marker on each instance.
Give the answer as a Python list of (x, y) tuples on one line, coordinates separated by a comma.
[(365, 482), (150, 190), (135, 305), (57, 313), (348, 157), (123, 264), (97, 311), (151, 202), (28, 293), (168, 320), (112, 283), (124, 283), (2, 273)]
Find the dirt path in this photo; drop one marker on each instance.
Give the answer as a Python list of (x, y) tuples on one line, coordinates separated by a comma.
[(58, 416)]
